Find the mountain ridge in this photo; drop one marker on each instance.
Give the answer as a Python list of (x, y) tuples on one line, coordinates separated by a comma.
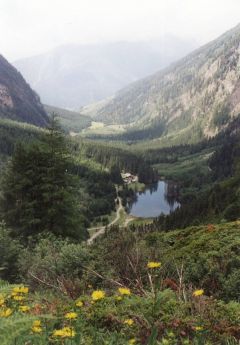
[(17, 100), (82, 74), (201, 90)]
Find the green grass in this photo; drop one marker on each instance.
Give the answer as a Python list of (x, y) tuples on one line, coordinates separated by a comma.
[(136, 186), (186, 166)]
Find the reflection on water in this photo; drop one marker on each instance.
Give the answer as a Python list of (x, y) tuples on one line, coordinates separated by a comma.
[(157, 198)]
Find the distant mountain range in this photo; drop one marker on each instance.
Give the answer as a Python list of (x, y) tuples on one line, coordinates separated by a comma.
[(17, 100), (192, 99), (75, 75)]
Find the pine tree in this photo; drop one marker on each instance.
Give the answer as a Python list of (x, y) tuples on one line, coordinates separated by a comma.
[(39, 192)]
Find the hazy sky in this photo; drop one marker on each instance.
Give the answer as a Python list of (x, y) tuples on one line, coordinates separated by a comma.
[(29, 27)]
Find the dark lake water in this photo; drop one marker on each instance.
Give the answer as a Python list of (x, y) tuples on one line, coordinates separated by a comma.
[(160, 197)]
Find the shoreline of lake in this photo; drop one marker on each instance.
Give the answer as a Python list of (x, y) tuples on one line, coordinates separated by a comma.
[(156, 199)]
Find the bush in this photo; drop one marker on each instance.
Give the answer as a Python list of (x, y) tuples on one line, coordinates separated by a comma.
[(232, 212), (54, 263)]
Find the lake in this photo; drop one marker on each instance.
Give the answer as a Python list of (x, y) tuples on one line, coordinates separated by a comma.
[(160, 197)]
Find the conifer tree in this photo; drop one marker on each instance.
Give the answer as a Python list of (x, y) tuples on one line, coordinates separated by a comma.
[(39, 192)]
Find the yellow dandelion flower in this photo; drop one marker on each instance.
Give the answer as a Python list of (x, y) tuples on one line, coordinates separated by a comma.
[(124, 291), (37, 323), (153, 264), (20, 289), (118, 298), (36, 326), (65, 332), (97, 295), (79, 304), (197, 293), (198, 328), (24, 308), (71, 316), (128, 322), (2, 301), (5, 313), (18, 298), (132, 341)]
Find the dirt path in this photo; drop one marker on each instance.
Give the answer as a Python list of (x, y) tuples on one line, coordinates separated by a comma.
[(101, 230)]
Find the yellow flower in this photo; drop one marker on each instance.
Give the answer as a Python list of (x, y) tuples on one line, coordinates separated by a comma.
[(2, 301), (132, 341), (128, 322), (24, 308), (65, 332), (153, 264), (37, 323), (18, 298), (198, 328), (20, 289), (79, 303), (36, 326), (124, 291), (71, 316), (5, 313), (118, 298), (97, 295), (197, 293)]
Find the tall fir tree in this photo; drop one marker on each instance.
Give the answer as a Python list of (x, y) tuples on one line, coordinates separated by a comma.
[(39, 194)]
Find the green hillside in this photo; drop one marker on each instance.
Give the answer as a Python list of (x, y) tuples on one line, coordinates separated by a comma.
[(71, 121), (191, 100)]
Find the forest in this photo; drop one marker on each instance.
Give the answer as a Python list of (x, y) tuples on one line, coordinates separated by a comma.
[(142, 284)]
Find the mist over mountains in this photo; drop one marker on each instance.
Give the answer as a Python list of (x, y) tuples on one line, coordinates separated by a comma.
[(72, 76)]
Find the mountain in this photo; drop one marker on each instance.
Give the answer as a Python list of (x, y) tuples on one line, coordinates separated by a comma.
[(17, 100), (192, 99), (71, 76)]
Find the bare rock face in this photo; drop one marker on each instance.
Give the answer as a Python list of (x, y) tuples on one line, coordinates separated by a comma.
[(5, 97), (17, 100)]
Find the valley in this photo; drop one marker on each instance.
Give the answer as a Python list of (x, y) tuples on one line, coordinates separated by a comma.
[(120, 221)]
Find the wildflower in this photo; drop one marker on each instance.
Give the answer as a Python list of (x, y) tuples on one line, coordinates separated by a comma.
[(124, 291), (20, 289), (36, 326), (118, 298), (153, 264), (37, 323), (79, 303), (198, 328), (18, 298), (197, 293), (97, 295), (132, 341), (71, 316), (2, 301), (5, 313), (65, 332), (128, 322), (24, 308)]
